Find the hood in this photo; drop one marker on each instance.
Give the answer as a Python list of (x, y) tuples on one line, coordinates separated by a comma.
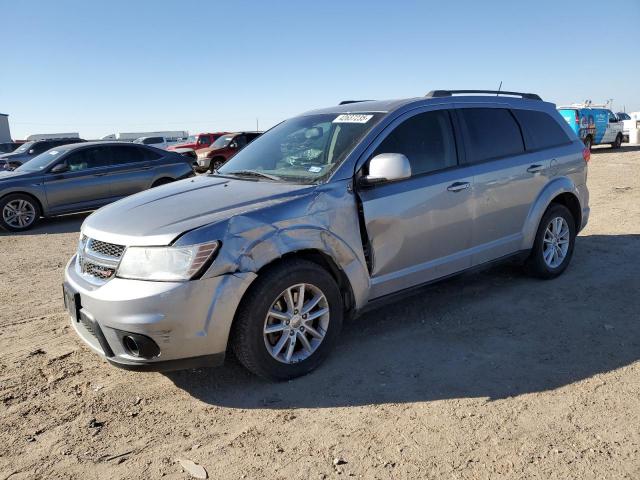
[(13, 155), (15, 175), (182, 145), (159, 215)]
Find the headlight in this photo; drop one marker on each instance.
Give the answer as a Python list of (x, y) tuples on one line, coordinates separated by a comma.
[(202, 156), (165, 263)]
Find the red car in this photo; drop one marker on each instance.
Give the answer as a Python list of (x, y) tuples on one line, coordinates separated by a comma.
[(199, 141), (223, 149)]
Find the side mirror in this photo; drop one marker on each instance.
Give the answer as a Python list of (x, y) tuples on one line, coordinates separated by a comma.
[(60, 168), (387, 167)]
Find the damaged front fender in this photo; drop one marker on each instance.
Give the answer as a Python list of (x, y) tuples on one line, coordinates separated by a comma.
[(323, 219)]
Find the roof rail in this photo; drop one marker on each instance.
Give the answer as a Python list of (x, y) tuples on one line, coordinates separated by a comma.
[(449, 93), (346, 102)]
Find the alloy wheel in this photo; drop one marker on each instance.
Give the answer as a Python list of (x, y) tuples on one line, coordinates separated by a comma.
[(19, 213), (556, 242), (296, 323)]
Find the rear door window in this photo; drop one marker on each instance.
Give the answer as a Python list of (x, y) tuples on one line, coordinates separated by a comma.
[(540, 130), (426, 139), (123, 155), (490, 133)]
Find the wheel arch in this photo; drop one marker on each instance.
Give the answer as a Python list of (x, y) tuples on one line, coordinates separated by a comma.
[(162, 180), (38, 201), (560, 190), (325, 261), (570, 201)]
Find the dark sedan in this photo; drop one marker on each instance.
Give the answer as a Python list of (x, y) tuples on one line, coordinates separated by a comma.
[(82, 177), (29, 150), (8, 147)]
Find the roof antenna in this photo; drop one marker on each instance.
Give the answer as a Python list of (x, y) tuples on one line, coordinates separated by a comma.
[(499, 88)]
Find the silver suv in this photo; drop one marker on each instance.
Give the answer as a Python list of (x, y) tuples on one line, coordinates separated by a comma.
[(324, 214)]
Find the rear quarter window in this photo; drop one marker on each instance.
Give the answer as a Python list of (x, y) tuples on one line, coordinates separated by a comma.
[(540, 130), (490, 133), (149, 154)]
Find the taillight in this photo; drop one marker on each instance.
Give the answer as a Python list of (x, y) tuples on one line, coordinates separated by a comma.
[(586, 154)]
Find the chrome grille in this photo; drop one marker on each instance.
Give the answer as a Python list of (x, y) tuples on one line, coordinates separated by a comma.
[(107, 249), (98, 259)]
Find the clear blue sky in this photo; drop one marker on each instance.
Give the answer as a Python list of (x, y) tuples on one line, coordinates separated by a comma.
[(99, 67)]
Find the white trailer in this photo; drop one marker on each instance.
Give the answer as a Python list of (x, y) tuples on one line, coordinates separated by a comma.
[(51, 136), (171, 136)]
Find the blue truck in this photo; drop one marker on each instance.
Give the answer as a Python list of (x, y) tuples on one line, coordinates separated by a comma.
[(593, 124)]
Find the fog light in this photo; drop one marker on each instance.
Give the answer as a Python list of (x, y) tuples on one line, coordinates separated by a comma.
[(138, 345), (130, 344)]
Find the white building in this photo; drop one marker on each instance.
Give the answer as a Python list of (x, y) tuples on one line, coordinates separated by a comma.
[(5, 133)]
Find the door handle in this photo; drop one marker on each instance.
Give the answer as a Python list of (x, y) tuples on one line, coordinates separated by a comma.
[(535, 168), (458, 186), (101, 174)]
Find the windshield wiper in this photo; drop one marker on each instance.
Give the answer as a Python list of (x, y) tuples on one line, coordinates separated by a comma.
[(252, 173)]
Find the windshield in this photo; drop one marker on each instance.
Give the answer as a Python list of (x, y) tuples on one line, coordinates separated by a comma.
[(40, 162), (190, 139), (222, 141), (303, 149), (25, 147)]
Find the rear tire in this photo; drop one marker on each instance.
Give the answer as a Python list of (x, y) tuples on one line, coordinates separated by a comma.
[(549, 257), (618, 142), (280, 337), (18, 212)]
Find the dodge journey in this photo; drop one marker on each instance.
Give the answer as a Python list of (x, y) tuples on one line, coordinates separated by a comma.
[(325, 214)]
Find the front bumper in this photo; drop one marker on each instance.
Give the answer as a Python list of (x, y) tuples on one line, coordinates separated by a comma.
[(189, 321), (204, 162)]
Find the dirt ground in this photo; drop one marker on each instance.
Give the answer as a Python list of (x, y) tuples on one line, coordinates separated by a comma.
[(488, 375)]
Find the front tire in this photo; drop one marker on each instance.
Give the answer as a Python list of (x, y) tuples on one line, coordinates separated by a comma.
[(216, 163), (18, 212), (554, 243), (288, 321)]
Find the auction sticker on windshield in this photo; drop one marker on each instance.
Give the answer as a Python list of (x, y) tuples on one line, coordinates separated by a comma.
[(352, 118)]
